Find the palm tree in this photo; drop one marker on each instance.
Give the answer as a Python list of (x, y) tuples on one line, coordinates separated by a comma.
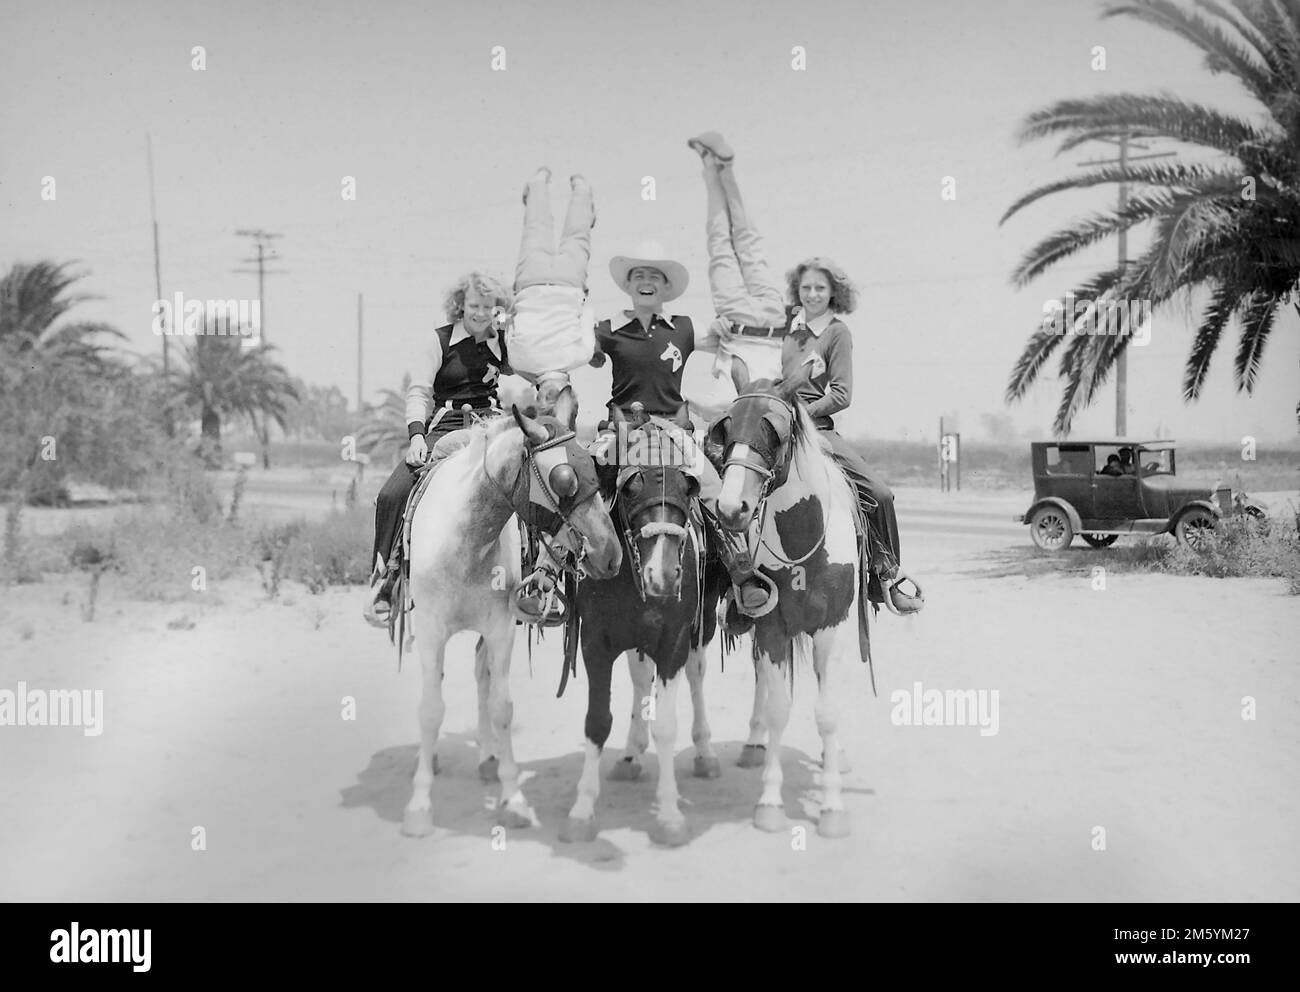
[(223, 378), (1229, 222), (383, 427), (55, 378)]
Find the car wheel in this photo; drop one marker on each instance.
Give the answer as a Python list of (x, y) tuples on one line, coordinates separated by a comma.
[(1194, 527), (1050, 528), (1100, 540)]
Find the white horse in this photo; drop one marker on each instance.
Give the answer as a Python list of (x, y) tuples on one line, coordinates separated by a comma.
[(463, 573), (782, 488)]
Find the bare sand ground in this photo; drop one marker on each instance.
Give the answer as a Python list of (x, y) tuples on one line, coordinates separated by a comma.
[(1119, 708)]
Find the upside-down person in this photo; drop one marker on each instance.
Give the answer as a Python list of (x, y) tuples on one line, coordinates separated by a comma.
[(550, 333), (647, 350), (773, 341)]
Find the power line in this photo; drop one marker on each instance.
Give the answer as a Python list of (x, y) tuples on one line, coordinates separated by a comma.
[(262, 240)]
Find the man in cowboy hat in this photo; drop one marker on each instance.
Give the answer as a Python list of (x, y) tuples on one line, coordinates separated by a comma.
[(648, 351)]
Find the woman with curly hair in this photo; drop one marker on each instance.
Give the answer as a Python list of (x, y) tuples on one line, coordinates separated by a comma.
[(811, 334), (454, 387)]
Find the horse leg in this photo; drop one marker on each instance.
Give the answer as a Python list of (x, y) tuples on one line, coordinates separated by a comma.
[(580, 827), (670, 826), (417, 819), (512, 807), (487, 742), (706, 762), (642, 670), (753, 754), (770, 812), (834, 819)]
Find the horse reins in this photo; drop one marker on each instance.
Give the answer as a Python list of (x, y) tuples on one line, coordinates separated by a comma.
[(769, 478)]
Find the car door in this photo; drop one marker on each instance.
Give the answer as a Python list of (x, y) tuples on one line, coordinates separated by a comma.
[(1116, 499), (1069, 471)]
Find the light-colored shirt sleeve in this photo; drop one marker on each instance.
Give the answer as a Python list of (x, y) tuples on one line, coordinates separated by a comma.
[(419, 395)]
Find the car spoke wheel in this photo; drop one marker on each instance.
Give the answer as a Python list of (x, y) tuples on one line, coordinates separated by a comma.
[(1101, 540), (1050, 529), (1194, 529)]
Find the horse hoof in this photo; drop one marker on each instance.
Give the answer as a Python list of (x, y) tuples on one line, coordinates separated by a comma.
[(575, 831), (753, 756), (707, 767), (833, 823), (769, 818), (625, 770), (487, 771), (512, 819), (670, 834), (417, 822)]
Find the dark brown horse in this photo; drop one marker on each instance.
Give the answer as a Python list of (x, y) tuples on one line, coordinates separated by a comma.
[(661, 609)]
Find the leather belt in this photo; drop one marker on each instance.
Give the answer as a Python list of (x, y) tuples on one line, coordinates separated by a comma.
[(763, 332)]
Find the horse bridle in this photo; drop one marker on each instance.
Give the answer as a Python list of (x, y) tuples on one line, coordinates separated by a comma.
[(577, 544), (773, 478), (650, 530)]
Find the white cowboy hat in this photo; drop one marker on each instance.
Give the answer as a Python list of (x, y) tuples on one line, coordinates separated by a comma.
[(650, 256)]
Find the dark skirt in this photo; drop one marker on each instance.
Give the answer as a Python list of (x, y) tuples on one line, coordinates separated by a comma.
[(882, 543)]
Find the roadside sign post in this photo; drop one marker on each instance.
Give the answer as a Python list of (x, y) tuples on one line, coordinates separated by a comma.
[(949, 458)]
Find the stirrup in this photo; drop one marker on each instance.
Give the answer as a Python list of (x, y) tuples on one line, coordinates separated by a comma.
[(378, 611), (554, 611), (914, 603), (763, 610)]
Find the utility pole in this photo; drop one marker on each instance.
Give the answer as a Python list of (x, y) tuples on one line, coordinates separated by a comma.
[(360, 297), (157, 266), (265, 253), (1121, 362)]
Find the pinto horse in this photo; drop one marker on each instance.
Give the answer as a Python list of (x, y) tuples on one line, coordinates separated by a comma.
[(783, 490), (464, 570), (661, 609)]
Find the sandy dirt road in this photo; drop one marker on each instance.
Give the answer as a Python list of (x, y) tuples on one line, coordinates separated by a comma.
[(1119, 708)]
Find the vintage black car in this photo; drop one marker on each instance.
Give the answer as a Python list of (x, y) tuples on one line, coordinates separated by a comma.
[(1105, 489)]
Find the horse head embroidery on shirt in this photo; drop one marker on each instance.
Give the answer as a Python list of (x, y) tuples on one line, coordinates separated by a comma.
[(672, 354)]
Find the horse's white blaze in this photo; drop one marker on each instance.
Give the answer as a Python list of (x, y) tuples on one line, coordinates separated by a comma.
[(701, 735), (657, 565), (664, 731), (733, 482)]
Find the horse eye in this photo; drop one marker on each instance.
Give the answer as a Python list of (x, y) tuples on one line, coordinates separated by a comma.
[(634, 486), (564, 481)]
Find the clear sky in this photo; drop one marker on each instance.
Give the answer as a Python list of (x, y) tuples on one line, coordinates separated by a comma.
[(846, 158)]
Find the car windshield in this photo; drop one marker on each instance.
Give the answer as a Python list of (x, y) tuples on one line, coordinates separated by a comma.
[(1157, 462)]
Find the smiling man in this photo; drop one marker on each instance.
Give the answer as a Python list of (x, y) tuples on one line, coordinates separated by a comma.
[(648, 348), (648, 351)]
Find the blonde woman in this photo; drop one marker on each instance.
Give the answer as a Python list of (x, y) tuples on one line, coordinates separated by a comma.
[(455, 385)]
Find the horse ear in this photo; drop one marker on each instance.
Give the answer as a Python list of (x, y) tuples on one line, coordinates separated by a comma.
[(739, 376), (566, 407), (533, 431), (616, 415), (683, 416)]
